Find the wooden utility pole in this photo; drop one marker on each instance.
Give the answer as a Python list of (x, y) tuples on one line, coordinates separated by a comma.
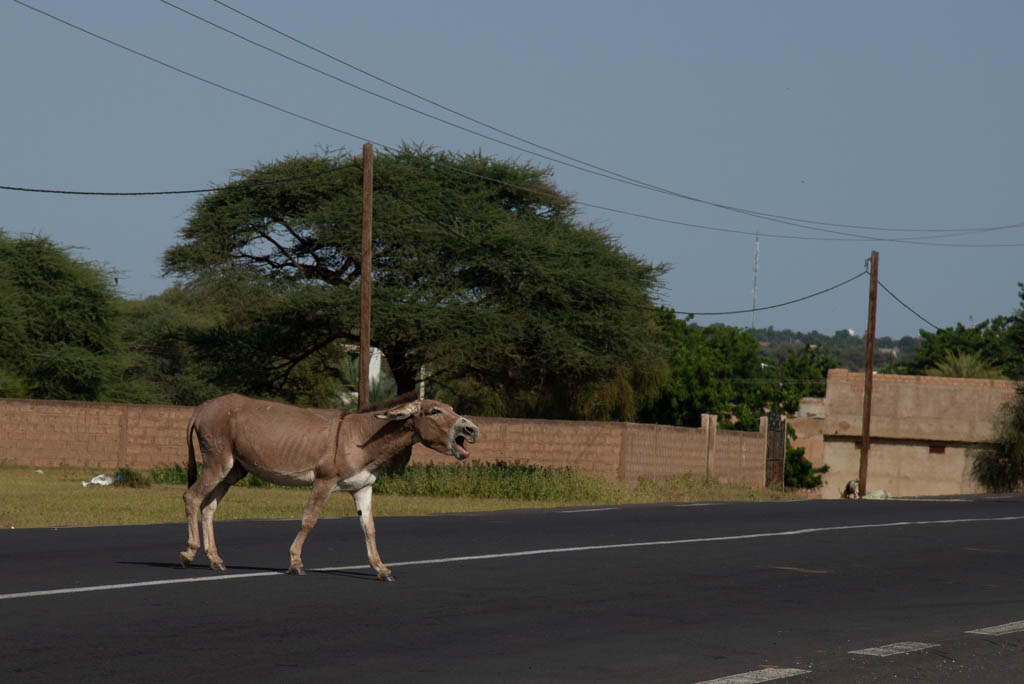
[(869, 370), (365, 276)]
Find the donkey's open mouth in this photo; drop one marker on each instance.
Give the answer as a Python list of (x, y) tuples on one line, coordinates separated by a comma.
[(465, 434)]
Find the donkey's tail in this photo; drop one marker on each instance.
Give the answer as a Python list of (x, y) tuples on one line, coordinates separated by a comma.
[(193, 472)]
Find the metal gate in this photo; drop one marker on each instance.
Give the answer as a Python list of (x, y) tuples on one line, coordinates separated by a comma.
[(775, 459)]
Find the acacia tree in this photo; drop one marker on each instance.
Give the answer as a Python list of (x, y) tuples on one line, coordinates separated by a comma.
[(58, 324), (483, 277)]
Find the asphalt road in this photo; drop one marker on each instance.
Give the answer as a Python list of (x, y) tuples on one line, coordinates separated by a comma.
[(669, 593)]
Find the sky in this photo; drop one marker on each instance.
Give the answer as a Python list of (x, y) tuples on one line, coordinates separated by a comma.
[(879, 126)]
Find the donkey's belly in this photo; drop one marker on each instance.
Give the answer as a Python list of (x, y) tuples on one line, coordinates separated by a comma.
[(288, 479)]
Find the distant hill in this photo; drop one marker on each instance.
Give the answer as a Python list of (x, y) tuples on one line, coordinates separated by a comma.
[(846, 348)]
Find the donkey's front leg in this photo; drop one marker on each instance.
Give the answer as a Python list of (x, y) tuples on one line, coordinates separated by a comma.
[(363, 498), (321, 490)]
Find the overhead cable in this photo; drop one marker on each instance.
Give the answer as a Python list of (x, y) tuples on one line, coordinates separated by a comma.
[(603, 171), (777, 218), (773, 306), (905, 306)]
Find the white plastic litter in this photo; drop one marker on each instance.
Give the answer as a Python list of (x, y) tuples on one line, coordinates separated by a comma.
[(101, 480), (877, 494)]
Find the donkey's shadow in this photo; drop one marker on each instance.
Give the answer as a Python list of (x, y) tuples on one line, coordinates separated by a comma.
[(197, 569)]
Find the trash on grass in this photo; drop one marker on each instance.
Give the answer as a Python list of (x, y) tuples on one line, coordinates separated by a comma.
[(101, 480)]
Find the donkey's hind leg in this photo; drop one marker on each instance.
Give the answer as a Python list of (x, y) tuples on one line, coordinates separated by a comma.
[(209, 507), (216, 468)]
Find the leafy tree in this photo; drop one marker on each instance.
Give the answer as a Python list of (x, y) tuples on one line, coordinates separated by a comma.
[(800, 473), (955, 364), (1000, 466), (161, 336), (483, 278), (58, 324), (846, 348), (716, 370), (988, 343)]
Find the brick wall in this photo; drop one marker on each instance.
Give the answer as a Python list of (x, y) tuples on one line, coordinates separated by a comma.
[(51, 433)]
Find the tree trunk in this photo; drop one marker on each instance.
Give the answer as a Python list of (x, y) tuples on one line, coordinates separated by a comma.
[(404, 372)]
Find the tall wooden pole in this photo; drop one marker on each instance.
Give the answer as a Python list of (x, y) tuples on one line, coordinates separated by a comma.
[(365, 276), (869, 370)]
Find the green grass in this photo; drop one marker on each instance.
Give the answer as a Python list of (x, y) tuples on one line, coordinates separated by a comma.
[(56, 497)]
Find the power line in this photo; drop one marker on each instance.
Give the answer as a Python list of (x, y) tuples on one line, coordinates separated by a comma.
[(604, 172), (906, 306), (195, 76), (848, 236), (773, 306), (194, 191)]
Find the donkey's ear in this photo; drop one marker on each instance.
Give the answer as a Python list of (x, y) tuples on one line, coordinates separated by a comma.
[(401, 412)]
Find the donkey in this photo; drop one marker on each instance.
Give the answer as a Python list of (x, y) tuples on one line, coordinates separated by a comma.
[(329, 449)]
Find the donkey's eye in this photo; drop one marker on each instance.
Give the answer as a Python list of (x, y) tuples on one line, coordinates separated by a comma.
[(434, 412)]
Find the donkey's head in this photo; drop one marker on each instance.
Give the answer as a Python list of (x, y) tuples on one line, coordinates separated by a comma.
[(437, 425)]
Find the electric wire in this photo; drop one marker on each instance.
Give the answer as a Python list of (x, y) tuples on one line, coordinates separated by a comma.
[(604, 172), (773, 306), (849, 236), (905, 306), (192, 191)]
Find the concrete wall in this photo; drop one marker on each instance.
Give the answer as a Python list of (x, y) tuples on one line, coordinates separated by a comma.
[(107, 436), (921, 428), (52, 433), (915, 407), (900, 468)]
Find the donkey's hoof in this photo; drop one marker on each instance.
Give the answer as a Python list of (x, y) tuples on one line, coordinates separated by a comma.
[(218, 566), (385, 576), (185, 559), (296, 570)]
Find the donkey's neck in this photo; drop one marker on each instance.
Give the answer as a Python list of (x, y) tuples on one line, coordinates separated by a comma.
[(381, 439)]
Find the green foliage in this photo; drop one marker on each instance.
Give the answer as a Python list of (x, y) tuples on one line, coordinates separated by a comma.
[(499, 480), (800, 473), (176, 475), (957, 364), (1000, 467), (845, 348), (720, 370), (987, 346), (58, 324), (130, 477), (494, 288)]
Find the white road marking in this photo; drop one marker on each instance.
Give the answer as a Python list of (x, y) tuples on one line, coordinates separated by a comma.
[(791, 568), (894, 649), (764, 675), (133, 585), (998, 630), (589, 510), (519, 554)]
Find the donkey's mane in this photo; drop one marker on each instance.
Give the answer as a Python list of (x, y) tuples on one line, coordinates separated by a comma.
[(411, 395)]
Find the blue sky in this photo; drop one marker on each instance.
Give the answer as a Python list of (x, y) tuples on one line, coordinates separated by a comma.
[(873, 115)]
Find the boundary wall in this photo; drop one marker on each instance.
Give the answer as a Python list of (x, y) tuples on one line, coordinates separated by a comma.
[(53, 433), (921, 430)]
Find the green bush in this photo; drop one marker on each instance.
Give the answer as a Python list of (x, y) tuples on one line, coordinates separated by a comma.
[(130, 477), (999, 467)]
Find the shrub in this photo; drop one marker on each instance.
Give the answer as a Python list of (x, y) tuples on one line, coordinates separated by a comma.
[(999, 467), (130, 477)]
